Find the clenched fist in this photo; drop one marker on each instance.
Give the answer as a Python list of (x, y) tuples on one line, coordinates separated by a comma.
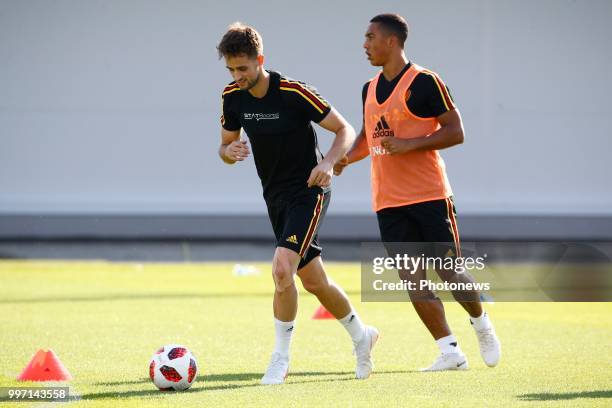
[(340, 165), (238, 150), (321, 175), (395, 145)]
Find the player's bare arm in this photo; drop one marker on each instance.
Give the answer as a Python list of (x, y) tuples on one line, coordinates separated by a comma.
[(358, 151), (449, 134), (345, 136), (232, 148)]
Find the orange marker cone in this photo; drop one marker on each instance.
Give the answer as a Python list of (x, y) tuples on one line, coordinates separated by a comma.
[(45, 366), (322, 313)]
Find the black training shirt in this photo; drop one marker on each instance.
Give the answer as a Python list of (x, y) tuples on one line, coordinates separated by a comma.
[(279, 128)]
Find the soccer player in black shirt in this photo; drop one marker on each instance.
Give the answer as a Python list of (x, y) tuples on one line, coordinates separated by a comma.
[(276, 114)]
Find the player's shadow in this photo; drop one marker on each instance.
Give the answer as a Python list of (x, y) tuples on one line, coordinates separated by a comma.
[(204, 377), (140, 296), (202, 384), (555, 396), (249, 376), (155, 392)]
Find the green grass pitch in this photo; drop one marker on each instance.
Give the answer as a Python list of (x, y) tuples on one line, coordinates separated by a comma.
[(105, 320)]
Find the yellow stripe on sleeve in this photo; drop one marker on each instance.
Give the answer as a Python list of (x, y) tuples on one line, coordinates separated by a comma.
[(303, 96), (314, 94)]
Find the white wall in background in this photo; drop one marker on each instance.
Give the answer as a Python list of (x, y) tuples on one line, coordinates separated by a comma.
[(113, 106)]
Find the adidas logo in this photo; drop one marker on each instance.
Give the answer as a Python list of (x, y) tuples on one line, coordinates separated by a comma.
[(382, 129), (292, 239)]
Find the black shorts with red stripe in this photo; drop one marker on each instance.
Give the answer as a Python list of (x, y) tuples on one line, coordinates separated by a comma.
[(428, 222), (296, 222)]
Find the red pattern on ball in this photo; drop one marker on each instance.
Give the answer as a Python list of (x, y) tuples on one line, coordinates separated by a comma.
[(152, 369), (177, 352), (192, 370), (170, 374)]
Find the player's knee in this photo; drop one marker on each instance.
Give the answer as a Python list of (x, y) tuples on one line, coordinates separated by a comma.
[(283, 284), (448, 275), (283, 278), (282, 272)]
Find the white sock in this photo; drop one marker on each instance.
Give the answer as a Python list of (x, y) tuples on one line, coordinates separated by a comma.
[(283, 330), (448, 344), (353, 325), (482, 322)]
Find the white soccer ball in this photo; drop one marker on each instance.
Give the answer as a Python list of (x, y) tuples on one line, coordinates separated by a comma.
[(173, 367)]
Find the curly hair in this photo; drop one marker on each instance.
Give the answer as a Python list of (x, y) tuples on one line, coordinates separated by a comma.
[(240, 39)]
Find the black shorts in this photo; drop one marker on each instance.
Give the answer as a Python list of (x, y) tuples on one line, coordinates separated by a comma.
[(296, 222), (430, 221)]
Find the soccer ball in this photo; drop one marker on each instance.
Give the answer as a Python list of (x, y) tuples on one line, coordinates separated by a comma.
[(173, 367)]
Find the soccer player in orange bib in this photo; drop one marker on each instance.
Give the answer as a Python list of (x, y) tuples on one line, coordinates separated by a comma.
[(408, 116)]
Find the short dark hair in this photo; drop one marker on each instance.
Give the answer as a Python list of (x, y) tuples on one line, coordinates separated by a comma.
[(240, 39), (394, 24)]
